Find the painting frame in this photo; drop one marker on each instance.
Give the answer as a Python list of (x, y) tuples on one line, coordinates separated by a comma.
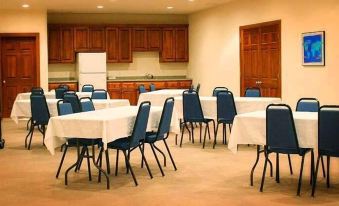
[(313, 48)]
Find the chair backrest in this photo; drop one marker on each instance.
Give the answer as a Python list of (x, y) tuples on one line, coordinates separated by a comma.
[(141, 89), (39, 109), (166, 117), (192, 110), (152, 87), (59, 92), (87, 88), (64, 107), (86, 104), (37, 90), (252, 92), (280, 129), (308, 105), (99, 94), (218, 89), (73, 98), (328, 130), (198, 88), (64, 86), (140, 124), (226, 109)]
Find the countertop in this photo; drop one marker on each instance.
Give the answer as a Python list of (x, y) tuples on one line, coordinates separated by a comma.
[(62, 80), (125, 79)]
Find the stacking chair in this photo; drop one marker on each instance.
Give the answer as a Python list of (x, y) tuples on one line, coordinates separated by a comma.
[(162, 133), (193, 113), (281, 138), (99, 94), (87, 88), (40, 117), (218, 89), (136, 140), (328, 139), (73, 98), (64, 86), (141, 89), (252, 92), (226, 112), (152, 87), (86, 104), (37, 90), (59, 92)]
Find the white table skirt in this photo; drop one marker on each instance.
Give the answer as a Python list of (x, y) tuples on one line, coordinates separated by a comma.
[(22, 108), (107, 124), (157, 98), (242, 104), (51, 95), (250, 128)]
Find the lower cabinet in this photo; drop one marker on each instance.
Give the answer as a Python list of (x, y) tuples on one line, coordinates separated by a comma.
[(129, 90), (73, 86)]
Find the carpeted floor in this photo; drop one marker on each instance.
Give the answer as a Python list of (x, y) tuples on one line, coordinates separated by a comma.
[(204, 177)]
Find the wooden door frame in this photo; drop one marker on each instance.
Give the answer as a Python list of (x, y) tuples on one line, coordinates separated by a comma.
[(36, 36), (242, 77)]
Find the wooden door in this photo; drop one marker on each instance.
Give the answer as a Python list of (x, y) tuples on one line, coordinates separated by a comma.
[(54, 55), (168, 45), (125, 45), (181, 44), (154, 39), (97, 38), (260, 58), (139, 39), (67, 45), (18, 68), (81, 38), (112, 44)]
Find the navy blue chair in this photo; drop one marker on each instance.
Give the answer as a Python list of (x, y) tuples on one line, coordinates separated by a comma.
[(37, 90), (281, 138), (193, 113), (59, 92), (87, 88), (141, 89), (218, 89), (65, 86), (40, 116), (86, 104), (136, 140), (328, 139), (226, 111), (307, 105), (73, 98), (152, 87), (99, 94), (162, 133), (253, 92)]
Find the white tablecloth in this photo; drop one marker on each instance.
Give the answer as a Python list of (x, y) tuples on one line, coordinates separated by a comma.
[(51, 95), (242, 104), (107, 124), (22, 108), (157, 98), (250, 128)]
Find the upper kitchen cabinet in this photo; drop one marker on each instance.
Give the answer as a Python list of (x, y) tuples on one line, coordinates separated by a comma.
[(154, 39), (125, 45), (60, 44), (112, 44), (89, 38), (174, 44), (139, 39)]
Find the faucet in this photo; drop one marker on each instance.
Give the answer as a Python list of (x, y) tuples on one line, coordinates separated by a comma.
[(149, 76)]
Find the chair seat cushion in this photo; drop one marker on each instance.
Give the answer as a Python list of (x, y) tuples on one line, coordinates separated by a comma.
[(206, 120), (225, 121), (331, 153), (72, 142), (151, 137), (301, 151), (121, 144)]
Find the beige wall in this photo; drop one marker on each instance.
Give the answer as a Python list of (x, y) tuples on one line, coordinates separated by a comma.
[(21, 21), (143, 62), (214, 46)]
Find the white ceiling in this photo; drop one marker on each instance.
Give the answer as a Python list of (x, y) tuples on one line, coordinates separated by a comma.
[(115, 6)]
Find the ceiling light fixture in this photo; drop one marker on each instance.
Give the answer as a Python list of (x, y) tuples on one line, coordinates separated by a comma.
[(170, 7), (100, 7), (190, 0), (25, 6)]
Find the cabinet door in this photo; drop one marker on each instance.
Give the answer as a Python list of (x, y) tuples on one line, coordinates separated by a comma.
[(72, 86), (54, 44), (130, 94), (172, 85), (67, 45), (181, 44), (139, 39), (185, 84), (81, 38), (125, 46), (154, 39), (112, 44), (115, 93), (168, 45), (97, 39)]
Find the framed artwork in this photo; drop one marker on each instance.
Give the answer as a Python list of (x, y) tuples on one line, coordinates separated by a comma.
[(313, 52)]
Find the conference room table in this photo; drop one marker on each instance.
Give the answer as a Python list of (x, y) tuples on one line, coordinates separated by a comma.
[(22, 108), (250, 128), (242, 104), (51, 95), (158, 97), (106, 124)]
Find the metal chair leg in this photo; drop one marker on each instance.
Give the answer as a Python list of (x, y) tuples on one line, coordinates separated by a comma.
[(107, 162), (263, 174), (162, 153), (315, 176), (117, 163), (182, 135), (255, 165), (290, 164), (192, 127), (130, 168), (156, 158), (328, 172), (301, 174), (61, 162), (169, 153), (30, 139), (215, 136), (277, 175), (323, 166), (88, 165), (144, 158), (203, 144)]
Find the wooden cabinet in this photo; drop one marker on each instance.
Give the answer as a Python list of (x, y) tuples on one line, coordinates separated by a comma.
[(72, 85), (125, 45), (60, 44), (112, 44), (139, 39), (154, 37), (174, 44), (89, 38)]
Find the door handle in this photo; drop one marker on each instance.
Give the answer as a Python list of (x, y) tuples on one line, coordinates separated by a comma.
[(4, 81)]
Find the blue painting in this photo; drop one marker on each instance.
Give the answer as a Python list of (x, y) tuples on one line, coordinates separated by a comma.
[(313, 48)]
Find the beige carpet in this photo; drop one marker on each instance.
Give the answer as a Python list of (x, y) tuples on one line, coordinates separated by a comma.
[(204, 177)]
